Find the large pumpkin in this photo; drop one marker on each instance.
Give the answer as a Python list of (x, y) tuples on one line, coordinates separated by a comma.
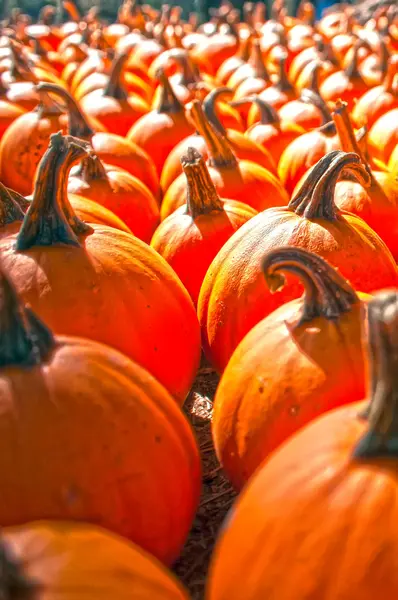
[(234, 296), (302, 360), (88, 435), (101, 283), (319, 519), (44, 559)]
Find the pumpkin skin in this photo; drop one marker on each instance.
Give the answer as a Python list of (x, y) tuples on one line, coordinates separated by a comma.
[(240, 180), (72, 284), (314, 343), (190, 238), (383, 136), (90, 211), (234, 298), (93, 561), (119, 192), (8, 111), (319, 490), (91, 386)]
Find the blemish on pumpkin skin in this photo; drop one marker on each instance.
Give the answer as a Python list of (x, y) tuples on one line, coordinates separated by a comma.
[(158, 439), (261, 389)]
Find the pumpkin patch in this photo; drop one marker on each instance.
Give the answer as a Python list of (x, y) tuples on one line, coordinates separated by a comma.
[(198, 289)]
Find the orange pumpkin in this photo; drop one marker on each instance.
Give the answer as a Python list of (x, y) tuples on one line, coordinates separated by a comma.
[(383, 136), (91, 386), (112, 106), (270, 132), (159, 131), (9, 111), (190, 238), (332, 486), (230, 65), (255, 410), (95, 563), (73, 274), (240, 180), (230, 305)]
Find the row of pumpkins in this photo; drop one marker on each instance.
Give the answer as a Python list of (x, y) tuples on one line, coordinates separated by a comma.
[(159, 182)]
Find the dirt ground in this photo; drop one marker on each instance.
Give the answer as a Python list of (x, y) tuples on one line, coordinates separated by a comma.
[(217, 494)]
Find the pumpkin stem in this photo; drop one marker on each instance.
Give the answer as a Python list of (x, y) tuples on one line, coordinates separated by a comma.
[(12, 206), (381, 437), (90, 168), (313, 83), (78, 125), (221, 154), (3, 88), (210, 104), (315, 199), (256, 60), (283, 84), (384, 56), (345, 131), (352, 70), (309, 96), (189, 75), (168, 102), (115, 88), (202, 195), (244, 48), (389, 80), (268, 114), (326, 293), (50, 219), (24, 340)]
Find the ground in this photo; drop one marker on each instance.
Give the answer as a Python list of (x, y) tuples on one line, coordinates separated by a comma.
[(217, 494)]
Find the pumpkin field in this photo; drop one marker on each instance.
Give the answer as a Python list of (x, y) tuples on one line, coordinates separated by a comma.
[(199, 303)]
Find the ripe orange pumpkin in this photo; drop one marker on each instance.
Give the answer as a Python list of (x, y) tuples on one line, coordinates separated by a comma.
[(110, 148), (332, 486), (241, 180), (378, 100), (190, 238), (112, 106), (280, 377), (159, 131), (77, 389), (73, 274), (118, 191), (8, 110), (95, 563), (230, 65), (383, 136), (230, 305)]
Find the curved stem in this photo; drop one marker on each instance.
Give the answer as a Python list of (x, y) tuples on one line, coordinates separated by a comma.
[(168, 102), (25, 341), (221, 154), (381, 438), (283, 84), (210, 104), (310, 97), (78, 125), (389, 80), (268, 114), (315, 199), (202, 195), (257, 62), (189, 76), (115, 87), (50, 219), (12, 206)]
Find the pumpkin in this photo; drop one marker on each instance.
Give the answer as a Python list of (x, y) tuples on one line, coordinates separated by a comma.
[(240, 180), (73, 274), (8, 110), (232, 64), (219, 111), (378, 204), (280, 376), (118, 191), (383, 136), (347, 85), (190, 238), (270, 132), (92, 386), (95, 563), (160, 130), (230, 304), (378, 100), (252, 77), (333, 487), (304, 152), (111, 148), (374, 67), (305, 60), (112, 106)]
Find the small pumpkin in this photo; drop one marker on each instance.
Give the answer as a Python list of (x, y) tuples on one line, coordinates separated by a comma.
[(95, 563), (77, 387), (332, 486), (383, 136), (280, 376), (190, 238), (230, 305), (73, 274)]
